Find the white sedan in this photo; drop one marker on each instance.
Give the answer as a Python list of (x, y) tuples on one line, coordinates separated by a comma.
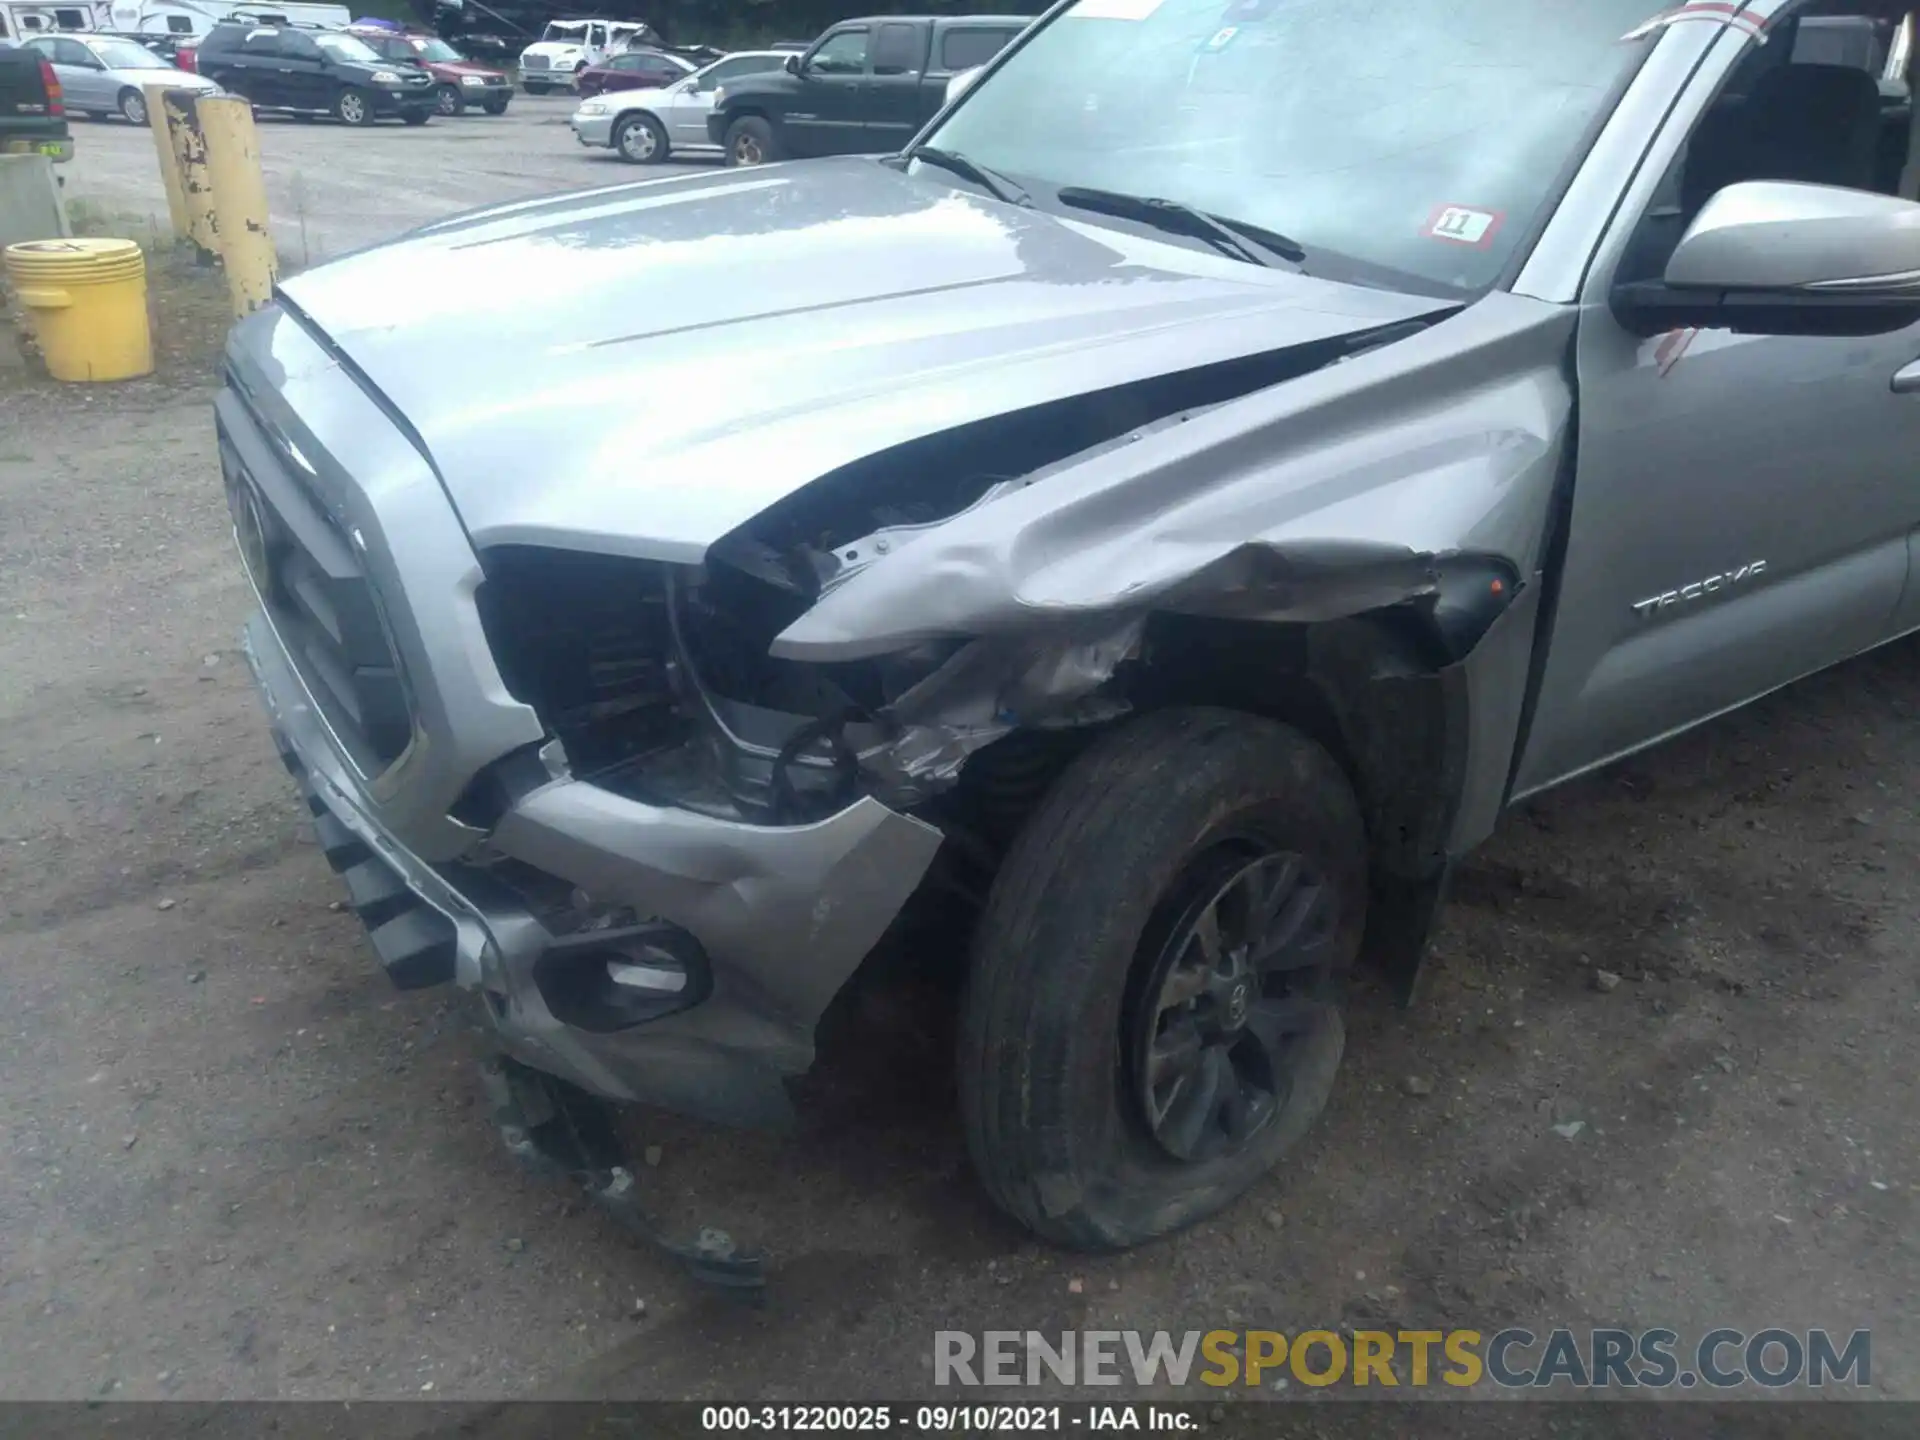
[(643, 126)]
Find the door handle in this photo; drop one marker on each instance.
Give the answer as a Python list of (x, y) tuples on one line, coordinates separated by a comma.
[(1906, 381)]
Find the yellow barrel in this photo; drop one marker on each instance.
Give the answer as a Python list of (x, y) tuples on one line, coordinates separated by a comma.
[(86, 301)]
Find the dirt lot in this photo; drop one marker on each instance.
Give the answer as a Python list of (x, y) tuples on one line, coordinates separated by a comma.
[(235, 1163)]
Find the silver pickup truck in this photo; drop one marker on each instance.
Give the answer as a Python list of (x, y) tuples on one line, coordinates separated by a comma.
[(1167, 540)]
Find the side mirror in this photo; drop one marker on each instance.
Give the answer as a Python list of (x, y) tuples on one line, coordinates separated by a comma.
[(957, 85), (793, 64), (1769, 257)]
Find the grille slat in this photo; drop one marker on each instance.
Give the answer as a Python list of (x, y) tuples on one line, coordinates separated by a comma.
[(321, 602)]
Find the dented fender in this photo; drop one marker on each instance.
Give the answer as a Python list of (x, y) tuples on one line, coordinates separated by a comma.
[(1333, 494)]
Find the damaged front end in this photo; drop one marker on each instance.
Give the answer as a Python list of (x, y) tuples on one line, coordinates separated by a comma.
[(812, 658)]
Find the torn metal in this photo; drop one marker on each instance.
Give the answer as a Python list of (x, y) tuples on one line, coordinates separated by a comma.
[(987, 691)]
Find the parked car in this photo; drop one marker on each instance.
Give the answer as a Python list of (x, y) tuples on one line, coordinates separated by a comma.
[(633, 70), (459, 81), (167, 47), (315, 72), (672, 121), (1159, 552), (104, 75), (566, 47), (33, 117), (863, 86)]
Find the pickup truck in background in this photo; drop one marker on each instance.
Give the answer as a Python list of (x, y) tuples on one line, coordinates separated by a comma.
[(865, 87), (33, 119)]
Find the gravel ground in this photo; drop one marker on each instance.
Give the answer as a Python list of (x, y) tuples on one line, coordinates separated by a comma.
[(234, 1163)]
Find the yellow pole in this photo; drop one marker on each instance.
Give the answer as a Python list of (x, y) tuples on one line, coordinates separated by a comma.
[(190, 154), (169, 163), (239, 199)]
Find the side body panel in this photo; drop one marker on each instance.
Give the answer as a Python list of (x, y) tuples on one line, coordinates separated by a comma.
[(1740, 515)]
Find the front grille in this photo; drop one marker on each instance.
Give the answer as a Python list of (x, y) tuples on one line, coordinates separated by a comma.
[(534, 62), (323, 608), (585, 640)]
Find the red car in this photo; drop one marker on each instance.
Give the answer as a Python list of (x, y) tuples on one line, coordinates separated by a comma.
[(460, 81), (633, 70)]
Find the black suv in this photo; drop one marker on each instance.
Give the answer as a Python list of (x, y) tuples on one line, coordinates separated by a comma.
[(280, 67), (32, 120)]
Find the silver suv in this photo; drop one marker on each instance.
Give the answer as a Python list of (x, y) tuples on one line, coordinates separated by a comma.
[(1174, 544)]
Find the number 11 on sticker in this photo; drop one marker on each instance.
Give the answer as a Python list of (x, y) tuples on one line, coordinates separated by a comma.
[(1463, 225)]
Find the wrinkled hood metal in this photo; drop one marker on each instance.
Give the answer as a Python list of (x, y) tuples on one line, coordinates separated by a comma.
[(665, 359), (1336, 493)]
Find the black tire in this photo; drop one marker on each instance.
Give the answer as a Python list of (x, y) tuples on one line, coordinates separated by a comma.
[(447, 100), (536, 87), (640, 140), (496, 107), (1059, 1024), (751, 141), (415, 117), (133, 106), (353, 107)]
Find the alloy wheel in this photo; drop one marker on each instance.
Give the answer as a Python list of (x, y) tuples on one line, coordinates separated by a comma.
[(1233, 1001)]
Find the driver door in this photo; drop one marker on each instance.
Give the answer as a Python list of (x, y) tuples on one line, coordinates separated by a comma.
[(302, 73), (827, 116), (1743, 504)]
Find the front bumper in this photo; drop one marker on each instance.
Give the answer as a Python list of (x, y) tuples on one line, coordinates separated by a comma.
[(405, 100), (784, 915), (593, 129)]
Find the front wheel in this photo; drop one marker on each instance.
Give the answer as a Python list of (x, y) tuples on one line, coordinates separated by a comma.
[(133, 105), (496, 107), (1153, 1015), (639, 140), (750, 141), (537, 87), (447, 100), (353, 107)]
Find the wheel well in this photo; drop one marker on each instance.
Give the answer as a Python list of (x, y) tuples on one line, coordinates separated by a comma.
[(1372, 690)]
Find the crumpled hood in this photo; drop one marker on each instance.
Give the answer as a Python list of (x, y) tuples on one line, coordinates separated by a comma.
[(643, 367)]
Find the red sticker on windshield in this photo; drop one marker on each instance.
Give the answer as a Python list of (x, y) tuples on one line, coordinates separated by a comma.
[(1464, 225)]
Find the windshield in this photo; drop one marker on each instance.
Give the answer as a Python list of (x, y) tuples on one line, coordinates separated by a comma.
[(345, 47), (438, 51), (125, 55), (568, 32), (1417, 139)]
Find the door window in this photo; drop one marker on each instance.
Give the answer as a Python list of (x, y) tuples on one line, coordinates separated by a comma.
[(179, 25), (72, 52), (844, 53), (262, 43), (964, 49), (896, 50), (1811, 110)]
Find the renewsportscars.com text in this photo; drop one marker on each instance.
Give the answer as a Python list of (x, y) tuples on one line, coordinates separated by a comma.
[(1720, 1359)]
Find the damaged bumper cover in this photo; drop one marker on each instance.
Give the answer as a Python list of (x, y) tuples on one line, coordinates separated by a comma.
[(765, 923)]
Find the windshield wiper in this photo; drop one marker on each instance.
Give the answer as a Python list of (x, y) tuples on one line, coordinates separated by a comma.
[(992, 181), (1237, 238)]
